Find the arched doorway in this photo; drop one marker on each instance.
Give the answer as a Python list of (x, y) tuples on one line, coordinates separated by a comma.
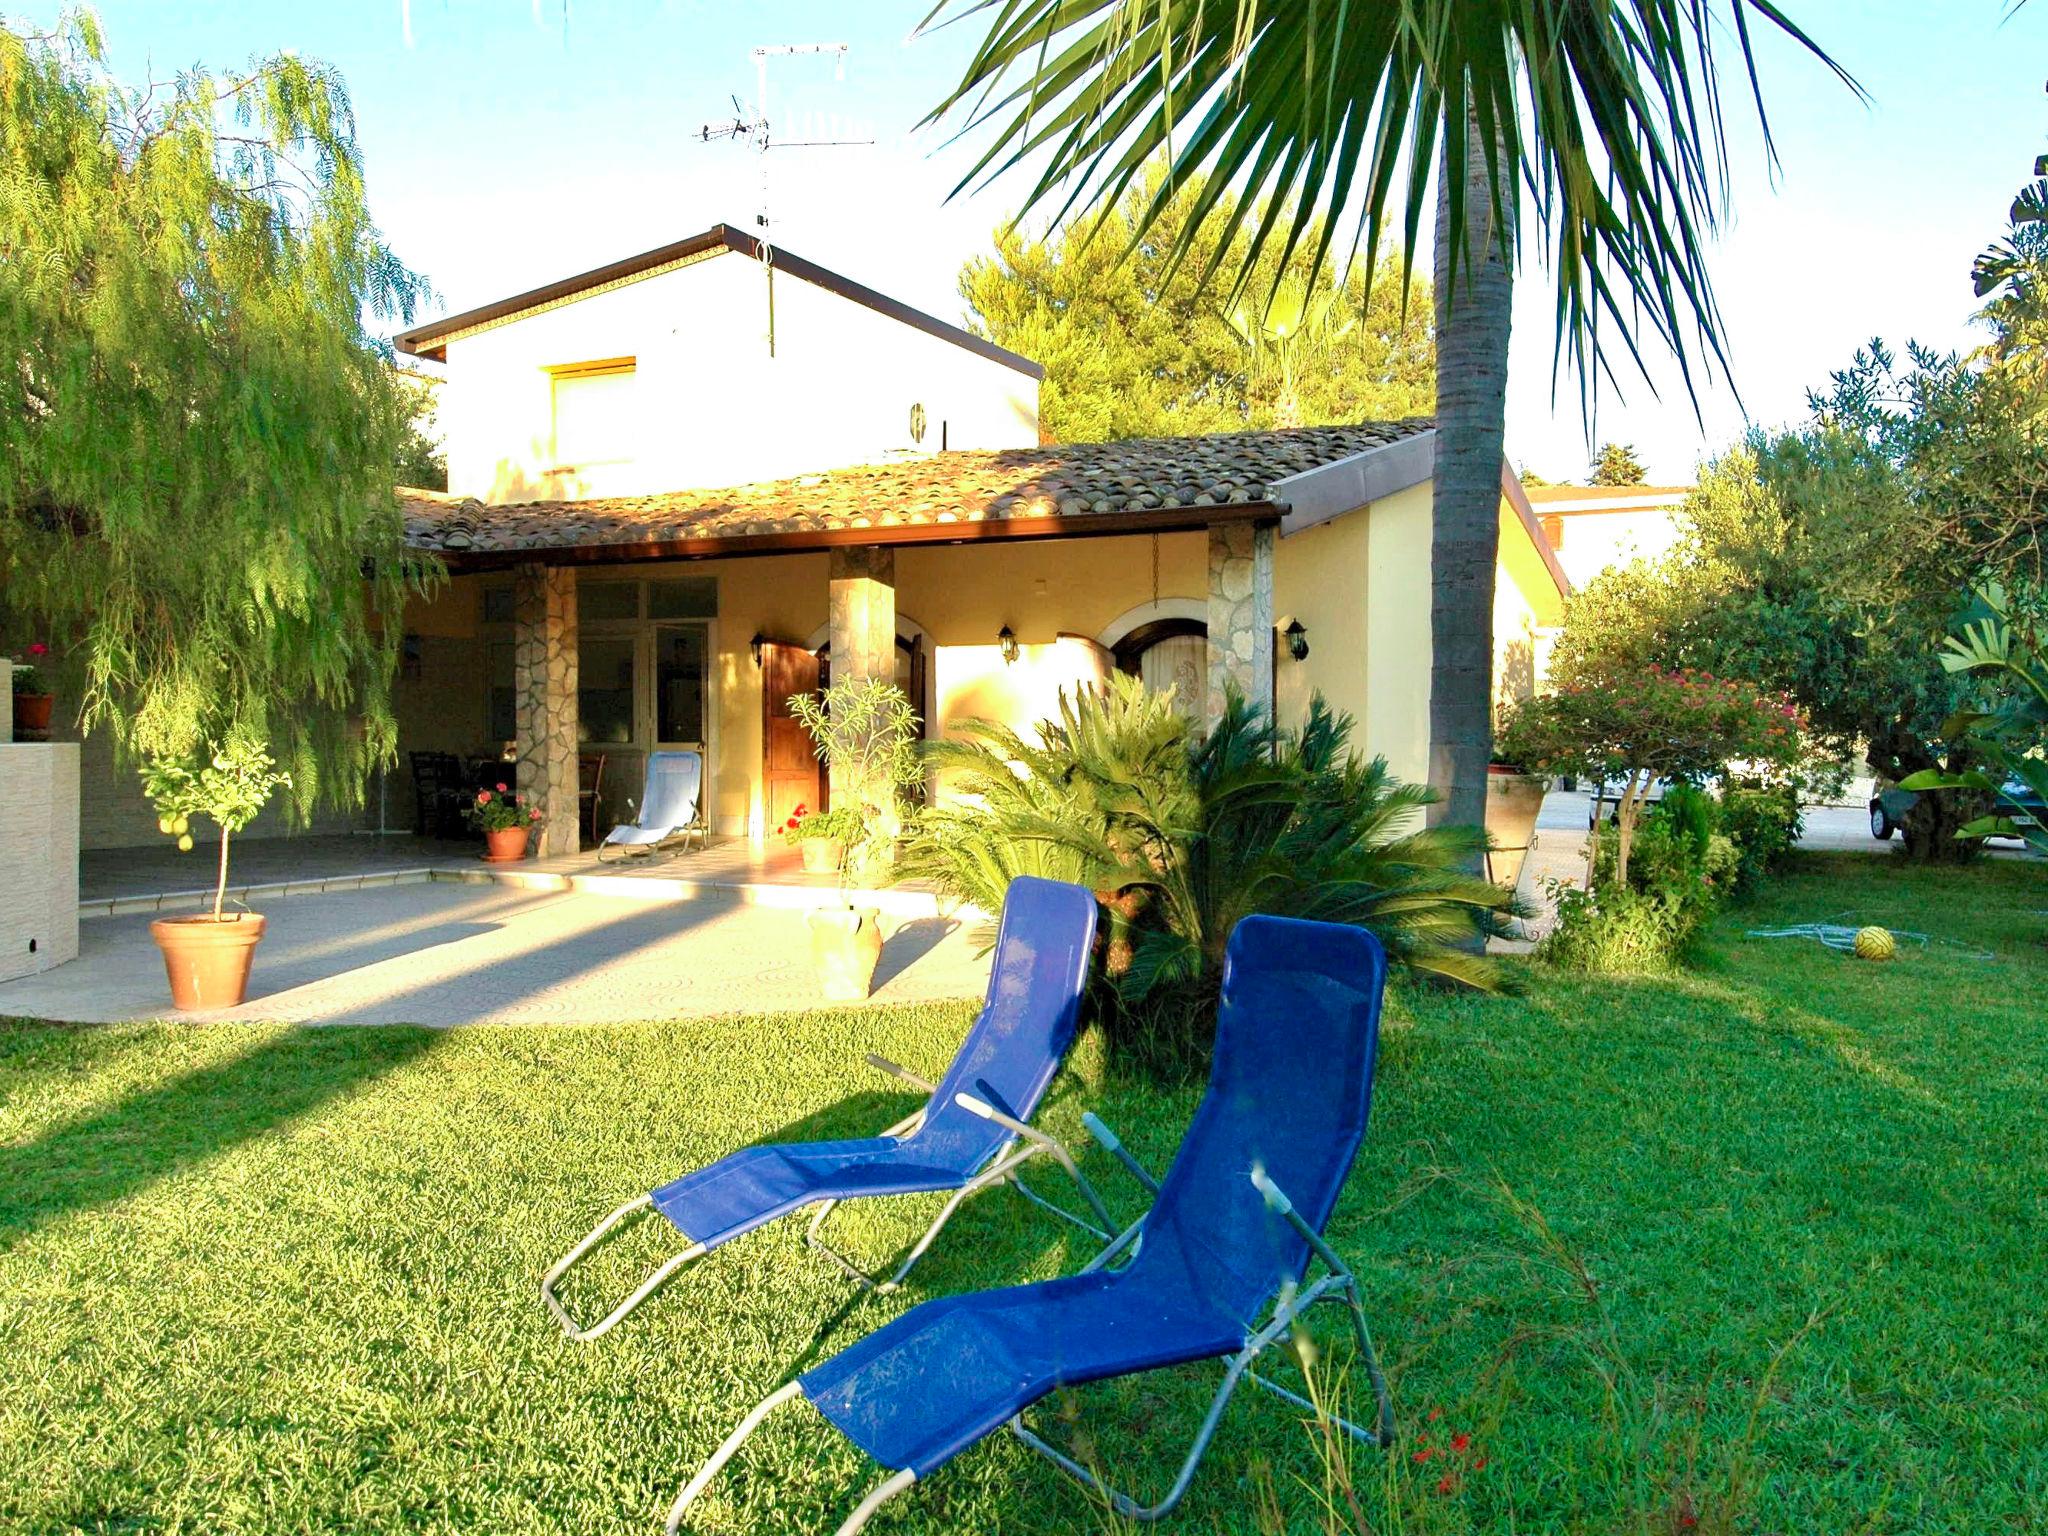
[(1166, 644)]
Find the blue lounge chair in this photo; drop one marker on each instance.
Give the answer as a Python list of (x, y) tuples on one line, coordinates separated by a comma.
[(669, 809), (1235, 1223), (1008, 1059)]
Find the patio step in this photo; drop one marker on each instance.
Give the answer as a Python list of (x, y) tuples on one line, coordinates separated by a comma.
[(896, 902)]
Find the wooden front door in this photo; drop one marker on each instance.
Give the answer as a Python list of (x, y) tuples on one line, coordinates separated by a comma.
[(789, 759)]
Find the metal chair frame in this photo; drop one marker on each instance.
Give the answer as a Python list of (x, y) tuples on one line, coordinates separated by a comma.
[(1289, 1306), (1003, 1166)]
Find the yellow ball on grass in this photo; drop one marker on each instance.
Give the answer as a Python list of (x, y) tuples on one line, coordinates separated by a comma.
[(1874, 944)]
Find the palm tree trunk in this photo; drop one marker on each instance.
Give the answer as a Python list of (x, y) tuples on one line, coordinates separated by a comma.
[(1472, 319)]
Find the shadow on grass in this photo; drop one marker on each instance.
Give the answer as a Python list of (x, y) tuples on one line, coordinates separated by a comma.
[(162, 1130)]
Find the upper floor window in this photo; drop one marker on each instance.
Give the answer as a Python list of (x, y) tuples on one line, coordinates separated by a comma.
[(595, 412)]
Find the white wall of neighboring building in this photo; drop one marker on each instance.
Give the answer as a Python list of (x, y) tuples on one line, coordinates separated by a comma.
[(709, 406), (1596, 528)]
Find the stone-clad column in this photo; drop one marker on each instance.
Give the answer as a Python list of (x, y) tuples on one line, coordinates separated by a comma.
[(863, 610), (1240, 615), (544, 675)]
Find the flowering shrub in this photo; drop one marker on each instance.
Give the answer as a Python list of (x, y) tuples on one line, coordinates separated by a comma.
[(500, 809), (26, 678), (804, 824), (1642, 726)]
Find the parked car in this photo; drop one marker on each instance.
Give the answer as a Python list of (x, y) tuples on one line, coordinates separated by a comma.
[(1606, 795), (1888, 807)]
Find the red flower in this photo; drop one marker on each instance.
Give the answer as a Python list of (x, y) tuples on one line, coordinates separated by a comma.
[(1446, 1483), (39, 649), (534, 814), (1459, 1442), (1435, 1414), (483, 797), (1424, 1454), (501, 789), (1478, 1464)]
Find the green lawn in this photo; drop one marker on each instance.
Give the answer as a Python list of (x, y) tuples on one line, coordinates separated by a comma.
[(1762, 1249)]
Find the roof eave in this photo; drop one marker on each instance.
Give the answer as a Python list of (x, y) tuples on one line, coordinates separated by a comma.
[(807, 541)]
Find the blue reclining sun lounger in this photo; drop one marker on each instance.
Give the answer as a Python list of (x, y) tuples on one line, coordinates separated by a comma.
[(1002, 1069), (669, 811), (1235, 1222)]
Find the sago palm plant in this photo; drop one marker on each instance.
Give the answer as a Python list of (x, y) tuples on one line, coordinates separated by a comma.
[(1183, 835)]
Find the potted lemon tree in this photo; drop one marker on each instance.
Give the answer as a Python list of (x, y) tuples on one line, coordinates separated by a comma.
[(207, 956), (866, 735)]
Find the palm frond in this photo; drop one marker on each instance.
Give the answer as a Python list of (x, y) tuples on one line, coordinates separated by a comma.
[(1608, 117)]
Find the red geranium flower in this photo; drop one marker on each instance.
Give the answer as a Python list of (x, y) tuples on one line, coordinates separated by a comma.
[(483, 797), (501, 789), (39, 649)]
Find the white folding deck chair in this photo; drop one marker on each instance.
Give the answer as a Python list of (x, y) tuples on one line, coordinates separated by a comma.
[(670, 815)]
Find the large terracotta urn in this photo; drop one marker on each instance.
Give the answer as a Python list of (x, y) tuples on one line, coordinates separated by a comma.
[(1514, 799), (846, 944)]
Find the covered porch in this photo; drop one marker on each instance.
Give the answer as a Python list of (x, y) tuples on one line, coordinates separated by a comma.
[(577, 637)]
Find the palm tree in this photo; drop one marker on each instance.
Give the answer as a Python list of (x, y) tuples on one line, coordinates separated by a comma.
[(1602, 119)]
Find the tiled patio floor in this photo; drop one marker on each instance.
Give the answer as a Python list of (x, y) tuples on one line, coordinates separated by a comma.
[(445, 954), (123, 881)]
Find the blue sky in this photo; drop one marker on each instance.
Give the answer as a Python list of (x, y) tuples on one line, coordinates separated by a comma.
[(505, 148)]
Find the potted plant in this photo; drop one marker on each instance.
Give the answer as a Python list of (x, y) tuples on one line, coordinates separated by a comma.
[(822, 837), (506, 820), (207, 956), (866, 734), (1514, 799), (33, 701)]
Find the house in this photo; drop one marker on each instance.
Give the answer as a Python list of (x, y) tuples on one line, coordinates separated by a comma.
[(1595, 527), (688, 485)]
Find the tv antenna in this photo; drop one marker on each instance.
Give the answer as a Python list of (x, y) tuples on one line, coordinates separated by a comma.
[(752, 127)]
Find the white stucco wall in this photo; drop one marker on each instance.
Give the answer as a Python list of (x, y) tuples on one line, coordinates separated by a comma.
[(713, 408)]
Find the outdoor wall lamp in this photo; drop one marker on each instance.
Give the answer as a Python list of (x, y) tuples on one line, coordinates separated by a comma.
[(1297, 639), (754, 646), (1006, 639)]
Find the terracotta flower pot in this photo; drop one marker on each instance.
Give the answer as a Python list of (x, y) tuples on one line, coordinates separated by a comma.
[(505, 847), (207, 961), (846, 943), (822, 855), (32, 712), (1513, 801)]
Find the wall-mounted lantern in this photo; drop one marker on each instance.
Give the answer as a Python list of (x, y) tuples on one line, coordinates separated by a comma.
[(1296, 636), (1006, 639), (754, 646)]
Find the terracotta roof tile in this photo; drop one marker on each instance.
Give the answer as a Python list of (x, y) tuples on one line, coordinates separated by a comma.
[(1072, 480)]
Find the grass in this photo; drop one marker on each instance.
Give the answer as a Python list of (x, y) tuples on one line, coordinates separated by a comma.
[(1763, 1248)]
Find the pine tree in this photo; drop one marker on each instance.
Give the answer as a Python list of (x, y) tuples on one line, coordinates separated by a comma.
[(1617, 465)]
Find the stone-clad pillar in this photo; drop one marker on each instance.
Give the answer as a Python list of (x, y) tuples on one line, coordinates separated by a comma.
[(863, 610), (544, 676), (1240, 615)]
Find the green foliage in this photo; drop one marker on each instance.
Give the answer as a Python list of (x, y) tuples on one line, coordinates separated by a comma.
[(802, 826), (1646, 918), (1804, 567), (1182, 836), (1307, 115), (229, 784), (1617, 464), (1642, 726), (1134, 346), (422, 459), (2006, 643), (499, 809), (866, 734), (1764, 825), (197, 432)]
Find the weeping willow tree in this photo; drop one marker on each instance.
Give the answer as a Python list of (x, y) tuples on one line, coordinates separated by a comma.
[(197, 431)]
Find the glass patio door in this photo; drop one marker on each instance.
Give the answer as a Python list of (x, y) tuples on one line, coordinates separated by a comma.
[(682, 687)]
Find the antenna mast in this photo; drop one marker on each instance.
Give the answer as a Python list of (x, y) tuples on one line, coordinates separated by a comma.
[(752, 128)]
